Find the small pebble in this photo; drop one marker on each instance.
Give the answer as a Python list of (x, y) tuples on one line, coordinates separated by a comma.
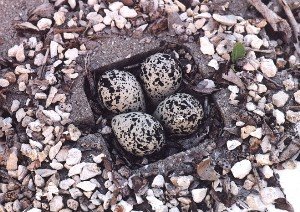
[(44, 24), (86, 186), (232, 144), (280, 118), (228, 20), (280, 98), (74, 157), (199, 194), (241, 169), (158, 181), (268, 67), (126, 12), (206, 46), (4, 83)]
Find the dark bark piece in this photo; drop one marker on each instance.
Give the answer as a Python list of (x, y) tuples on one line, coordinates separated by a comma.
[(81, 113), (291, 150), (232, 77), (94, 142), (177, 162)]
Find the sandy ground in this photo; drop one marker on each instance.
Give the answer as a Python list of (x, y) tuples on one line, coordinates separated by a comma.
[(12, 10)]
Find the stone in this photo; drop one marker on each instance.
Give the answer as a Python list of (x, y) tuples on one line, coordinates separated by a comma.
[(56, 203), (72, 3), (250, 29), (158, 181), (15, 105), (250, 106), (55, 117), (292, 60), (115, 6), (125, 206), (155, 203), (56, 165), (98, 158), (54, 150), (75, 193), (72, 204), (12, 160), (52, 93), (297, 96), (74, 170), (99, 27), (53, 49), (270, 194), (20, 55), (39, 59), (44, 24), (71, 54), (40, 96), (241, 169), (263, 159), (199, 194), (280, 118), (74, 132), (13, 51), (74, 157), (120, 21), (59, 17), (254, 202), (268, 67), (86, 186), (214, 64), (39, 181), (10, 76), (4, 83), (68, 36), (206, 46), (280, 98), (191, 29), (94, 18), (89, 170), (20, 114), (228, 20), (32, 42), (253, 41), (262, 88), (245, 131), (66, 184), (183, 182), (267, 171), (92, 2), (292, 116), (20, 69), (257, 133), (232, 144), (126, 12), (45, 172), (200, 23)]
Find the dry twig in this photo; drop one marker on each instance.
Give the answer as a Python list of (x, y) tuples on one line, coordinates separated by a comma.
[(278, 24), (74, 29), (293, 22)]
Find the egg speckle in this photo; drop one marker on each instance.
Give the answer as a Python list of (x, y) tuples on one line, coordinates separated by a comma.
[(120, 91), (161, 76), (138, 133), (179, 114)]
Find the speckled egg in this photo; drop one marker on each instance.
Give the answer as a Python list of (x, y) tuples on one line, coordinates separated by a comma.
[(138, 133), (161, 76), (180, 114), (120, 92)]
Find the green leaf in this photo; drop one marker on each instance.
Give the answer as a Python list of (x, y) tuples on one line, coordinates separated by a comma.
[(238, 52)]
